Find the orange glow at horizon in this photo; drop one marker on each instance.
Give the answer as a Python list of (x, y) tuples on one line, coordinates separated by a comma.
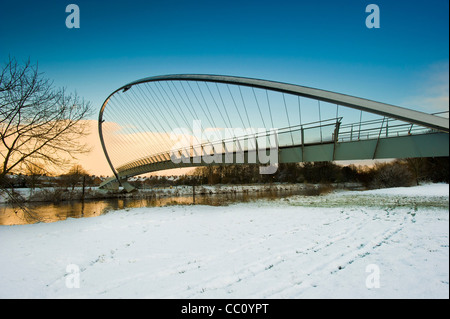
[(95, 162)]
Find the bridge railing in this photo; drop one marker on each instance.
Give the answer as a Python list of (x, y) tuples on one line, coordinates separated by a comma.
[(310, 133), (380, 128)]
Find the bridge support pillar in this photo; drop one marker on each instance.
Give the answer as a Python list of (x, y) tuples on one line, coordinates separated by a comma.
[(111, 186), (128, 187)]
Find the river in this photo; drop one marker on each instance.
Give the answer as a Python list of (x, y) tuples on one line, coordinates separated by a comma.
[(52, 212)]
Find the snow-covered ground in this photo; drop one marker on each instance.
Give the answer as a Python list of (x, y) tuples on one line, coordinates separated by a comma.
[(338, 245)]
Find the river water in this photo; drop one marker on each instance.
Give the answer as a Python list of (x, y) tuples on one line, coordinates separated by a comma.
[(52, 212)]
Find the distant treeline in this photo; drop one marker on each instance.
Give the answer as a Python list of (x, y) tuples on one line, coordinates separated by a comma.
[(397, 173), (37, 178)]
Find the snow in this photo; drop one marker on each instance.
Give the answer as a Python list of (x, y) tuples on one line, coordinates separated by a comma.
[(424, 190), (301, 247)]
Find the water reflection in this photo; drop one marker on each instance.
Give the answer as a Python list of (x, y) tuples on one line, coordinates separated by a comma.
[(52, 212)]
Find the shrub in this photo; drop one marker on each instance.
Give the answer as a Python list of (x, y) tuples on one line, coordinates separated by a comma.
[(393, 174)]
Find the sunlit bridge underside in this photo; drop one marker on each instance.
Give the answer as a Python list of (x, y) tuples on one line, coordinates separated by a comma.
[(186, 120)]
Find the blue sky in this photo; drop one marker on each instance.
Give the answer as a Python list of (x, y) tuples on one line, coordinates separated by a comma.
[(323, 44)]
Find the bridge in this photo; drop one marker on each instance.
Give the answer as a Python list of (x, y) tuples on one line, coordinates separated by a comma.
[(187, 120)]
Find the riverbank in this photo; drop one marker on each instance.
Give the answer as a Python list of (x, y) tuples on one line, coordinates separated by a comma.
[(55, 194)]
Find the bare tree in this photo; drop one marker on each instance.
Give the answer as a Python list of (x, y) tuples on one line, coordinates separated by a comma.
[(33, 173), (395, 174), (417, 168), (38, 122), (76, 175)]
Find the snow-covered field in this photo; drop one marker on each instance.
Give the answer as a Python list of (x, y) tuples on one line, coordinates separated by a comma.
[(339, 245)]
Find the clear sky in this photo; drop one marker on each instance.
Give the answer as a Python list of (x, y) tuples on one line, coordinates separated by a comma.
[(323, 44)]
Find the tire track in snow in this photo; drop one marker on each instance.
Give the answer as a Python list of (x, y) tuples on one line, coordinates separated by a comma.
[(337, 262), (269, 262)]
